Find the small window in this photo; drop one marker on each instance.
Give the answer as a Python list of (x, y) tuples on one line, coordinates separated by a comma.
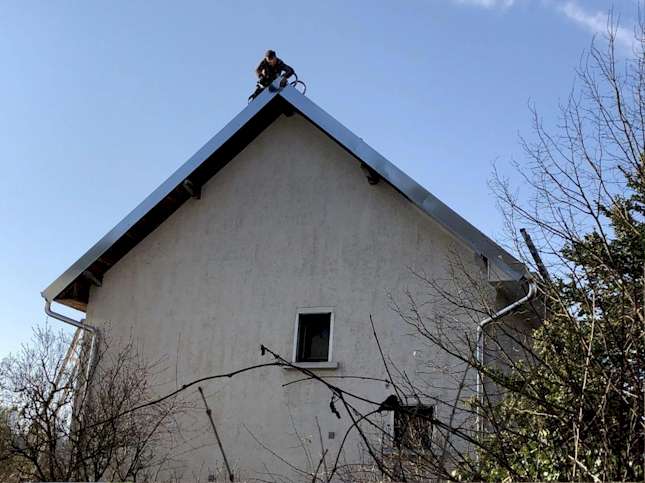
[(313, 336), (413, 427)]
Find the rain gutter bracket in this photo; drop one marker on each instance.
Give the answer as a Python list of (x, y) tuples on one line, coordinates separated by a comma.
[(372, 176), (191, 189)]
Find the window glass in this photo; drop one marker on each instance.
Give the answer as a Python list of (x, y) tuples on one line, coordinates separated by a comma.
[(313, 337)]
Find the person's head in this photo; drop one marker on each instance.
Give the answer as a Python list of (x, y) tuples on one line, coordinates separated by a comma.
[(270, 57)]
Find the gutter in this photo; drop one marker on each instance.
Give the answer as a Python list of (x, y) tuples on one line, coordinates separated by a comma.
[(532, 292)]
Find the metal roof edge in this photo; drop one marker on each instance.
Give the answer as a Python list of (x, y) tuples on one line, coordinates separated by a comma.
[(77, 268), (417, 194)]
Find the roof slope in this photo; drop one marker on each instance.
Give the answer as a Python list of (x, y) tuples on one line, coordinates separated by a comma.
[(72, 287)]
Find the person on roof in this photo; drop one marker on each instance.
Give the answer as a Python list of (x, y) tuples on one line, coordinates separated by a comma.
[(269, 69)]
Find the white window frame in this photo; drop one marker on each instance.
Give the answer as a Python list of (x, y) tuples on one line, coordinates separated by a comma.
[(329, 363)]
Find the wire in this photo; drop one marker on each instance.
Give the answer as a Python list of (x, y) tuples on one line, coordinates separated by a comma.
[(297, 82)]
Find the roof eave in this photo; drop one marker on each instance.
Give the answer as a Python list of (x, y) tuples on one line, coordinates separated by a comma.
[(502, 266), (76, 270)]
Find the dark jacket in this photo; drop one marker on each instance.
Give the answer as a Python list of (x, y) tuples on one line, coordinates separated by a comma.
[(268, 73)]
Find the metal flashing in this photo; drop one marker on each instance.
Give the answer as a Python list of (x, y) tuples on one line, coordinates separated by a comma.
[(417, 194), (72, 287), (52, 292)]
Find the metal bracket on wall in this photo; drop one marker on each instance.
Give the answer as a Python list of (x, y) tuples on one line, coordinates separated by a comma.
[(372, 176), (191, 189), (92, 278)]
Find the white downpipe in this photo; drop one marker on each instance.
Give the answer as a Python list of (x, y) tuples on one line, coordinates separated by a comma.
[(480, 340), (81, 325), (68, 320)]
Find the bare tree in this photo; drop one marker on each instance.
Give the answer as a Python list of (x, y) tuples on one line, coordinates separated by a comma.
[(565, 400), (564, 378), (71, 422)]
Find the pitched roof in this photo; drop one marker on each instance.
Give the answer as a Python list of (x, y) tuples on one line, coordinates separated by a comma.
[(72, 287)]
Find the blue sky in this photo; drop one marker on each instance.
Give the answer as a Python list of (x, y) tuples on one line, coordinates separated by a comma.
[(101, 101)]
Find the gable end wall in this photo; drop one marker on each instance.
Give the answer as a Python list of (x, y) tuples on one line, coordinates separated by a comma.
[(290, 222)]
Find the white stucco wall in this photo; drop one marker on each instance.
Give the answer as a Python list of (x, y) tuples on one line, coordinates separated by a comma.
[(290, 222)]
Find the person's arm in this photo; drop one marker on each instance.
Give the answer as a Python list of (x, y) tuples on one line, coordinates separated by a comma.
[(259, 70), (287, 71)]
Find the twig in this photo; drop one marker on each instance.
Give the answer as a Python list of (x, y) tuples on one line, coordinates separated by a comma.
[(387, 369), (322, 459), (219, 442), (322, 446)]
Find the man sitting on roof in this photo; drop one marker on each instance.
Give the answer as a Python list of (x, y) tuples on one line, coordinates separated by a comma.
[(269, 69)]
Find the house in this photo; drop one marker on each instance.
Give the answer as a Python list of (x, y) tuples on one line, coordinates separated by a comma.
[(285, 230)]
